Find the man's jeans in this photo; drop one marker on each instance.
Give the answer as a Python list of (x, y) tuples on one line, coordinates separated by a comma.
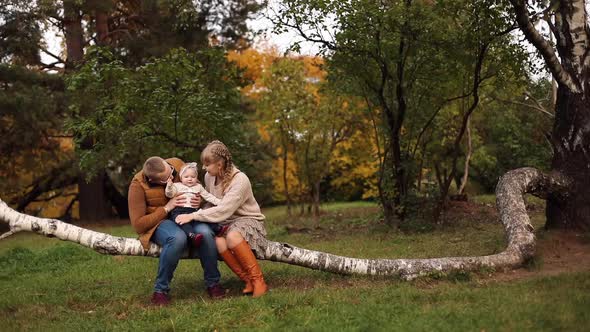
[(173, 241)]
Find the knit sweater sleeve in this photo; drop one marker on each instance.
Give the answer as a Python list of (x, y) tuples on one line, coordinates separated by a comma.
[(171, 190), (231, 201), (140, 220), (209, 197)]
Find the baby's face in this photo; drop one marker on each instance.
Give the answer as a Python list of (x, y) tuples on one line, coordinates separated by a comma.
[(189, 177)]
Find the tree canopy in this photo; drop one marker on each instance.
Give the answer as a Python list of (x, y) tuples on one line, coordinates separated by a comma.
[(406, 103)]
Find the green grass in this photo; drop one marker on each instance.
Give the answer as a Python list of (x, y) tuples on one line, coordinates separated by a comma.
[(53, 285)]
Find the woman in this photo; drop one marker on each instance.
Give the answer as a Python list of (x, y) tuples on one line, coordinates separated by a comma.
[(239, 210)]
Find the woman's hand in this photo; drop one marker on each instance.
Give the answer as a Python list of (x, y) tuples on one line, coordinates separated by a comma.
[(182, 219)]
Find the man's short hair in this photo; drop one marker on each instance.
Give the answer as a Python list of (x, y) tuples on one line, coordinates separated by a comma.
[(154, 166)]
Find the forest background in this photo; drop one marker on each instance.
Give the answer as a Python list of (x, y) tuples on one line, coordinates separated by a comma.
[(406, 105)]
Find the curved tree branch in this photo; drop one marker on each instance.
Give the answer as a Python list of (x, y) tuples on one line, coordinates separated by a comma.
[(509, 199)]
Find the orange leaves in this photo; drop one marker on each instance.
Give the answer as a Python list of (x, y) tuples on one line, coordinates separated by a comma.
[(314, 127)]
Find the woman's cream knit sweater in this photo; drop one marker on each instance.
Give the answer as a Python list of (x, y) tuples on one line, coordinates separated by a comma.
[(237, 201)]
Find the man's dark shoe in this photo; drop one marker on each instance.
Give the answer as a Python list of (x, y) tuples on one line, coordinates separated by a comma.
[(196, 239), (160, 299), (216, 291)]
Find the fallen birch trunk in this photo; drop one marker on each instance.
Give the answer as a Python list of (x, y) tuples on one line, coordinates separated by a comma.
[(509, 200)]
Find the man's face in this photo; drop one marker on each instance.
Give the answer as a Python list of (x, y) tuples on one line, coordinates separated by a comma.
[(163, 177)]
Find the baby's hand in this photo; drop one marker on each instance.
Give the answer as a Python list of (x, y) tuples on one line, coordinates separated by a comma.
[(169, 182)]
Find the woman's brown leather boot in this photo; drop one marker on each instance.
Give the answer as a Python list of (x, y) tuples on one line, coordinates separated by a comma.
[(233, 264), (247, 260)]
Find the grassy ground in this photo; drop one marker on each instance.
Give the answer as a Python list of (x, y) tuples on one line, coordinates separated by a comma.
[(53, 285)]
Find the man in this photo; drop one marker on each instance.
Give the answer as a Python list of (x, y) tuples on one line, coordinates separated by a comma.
[(148, 211)]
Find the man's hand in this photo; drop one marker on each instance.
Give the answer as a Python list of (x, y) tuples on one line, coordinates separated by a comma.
[(183, 219), (172, 203), (179, 200), (195, 200)]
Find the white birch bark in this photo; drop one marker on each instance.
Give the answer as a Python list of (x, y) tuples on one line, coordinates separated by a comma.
[(101, 242), (509, 199), (467, 158), (542, 45)]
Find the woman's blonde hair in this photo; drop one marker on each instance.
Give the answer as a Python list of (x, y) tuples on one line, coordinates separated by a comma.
[(214, 152)]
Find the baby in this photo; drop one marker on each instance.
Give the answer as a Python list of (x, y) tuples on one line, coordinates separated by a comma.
[(188, 186)]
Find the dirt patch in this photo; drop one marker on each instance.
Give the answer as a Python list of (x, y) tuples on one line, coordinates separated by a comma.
[(557, 252), (97, 224), (470, 211)]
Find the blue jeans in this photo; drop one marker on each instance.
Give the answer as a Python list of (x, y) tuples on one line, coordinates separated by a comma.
[(173, 241), (188, 227)]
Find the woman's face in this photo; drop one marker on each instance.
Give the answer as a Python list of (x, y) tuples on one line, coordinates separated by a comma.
[(213, 168)]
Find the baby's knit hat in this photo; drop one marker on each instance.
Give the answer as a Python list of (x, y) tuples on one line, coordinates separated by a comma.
[(187, 166)]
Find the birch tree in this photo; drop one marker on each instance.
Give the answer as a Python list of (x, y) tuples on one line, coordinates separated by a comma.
[(511, 188), (568, 60)]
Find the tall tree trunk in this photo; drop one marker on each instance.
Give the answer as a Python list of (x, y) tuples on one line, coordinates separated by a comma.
[(102, 24), (570, 67), (316, 199), (400, 178), (388, 209), (93, 203), (481, 53), (73, 34), (402, 107), (388, 190), (286, 180), (571, 129), (467, 159), (118, 201), (571, 141), (301, 198), (394, 116), (389, 216)]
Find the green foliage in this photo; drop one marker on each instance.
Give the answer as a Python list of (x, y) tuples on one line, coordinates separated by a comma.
[(36, 151), (414, 63), (165, 25), (145, 96), (512, 134), (31, 120), (171, 106), (20, 32)]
